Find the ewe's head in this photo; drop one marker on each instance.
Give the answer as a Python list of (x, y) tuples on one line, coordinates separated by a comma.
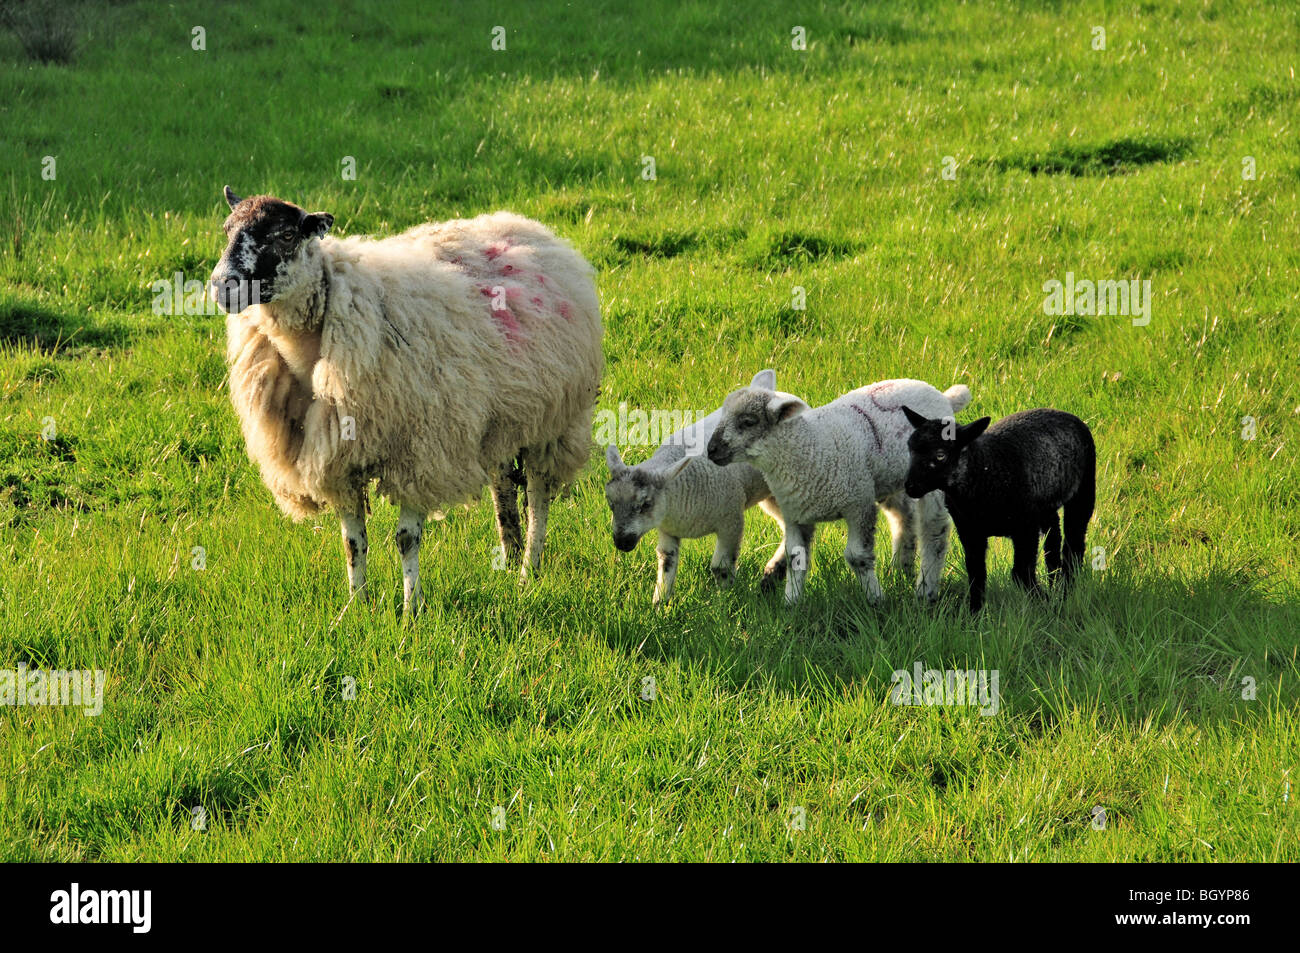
[(749, 415), (935, 446), (270, 247), (636, 497)]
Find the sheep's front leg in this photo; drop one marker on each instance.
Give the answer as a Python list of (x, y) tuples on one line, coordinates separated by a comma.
[(775, 569), (935, 536), (410, 530), (798, 550), (667, 550), (505, 501), (355, 548), (726, 551), (976, 548), (860, 553)]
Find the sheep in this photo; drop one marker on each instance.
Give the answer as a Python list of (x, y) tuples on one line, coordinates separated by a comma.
[(684, 496), (452, 355), (837, 462), (1009, 480)]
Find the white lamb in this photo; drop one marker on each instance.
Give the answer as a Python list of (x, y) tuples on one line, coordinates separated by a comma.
[(679, 492), (837, 462), (432, 362)]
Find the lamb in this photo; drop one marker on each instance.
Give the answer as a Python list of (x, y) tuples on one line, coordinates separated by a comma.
[(1009, 481), (684, 496), (452, 355), (837, 462)]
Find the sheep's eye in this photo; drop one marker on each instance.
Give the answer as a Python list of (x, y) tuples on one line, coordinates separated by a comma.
[(941, 455), (647, 506), (746, 422)]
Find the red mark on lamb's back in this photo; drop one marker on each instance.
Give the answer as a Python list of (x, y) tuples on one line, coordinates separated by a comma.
[(875, 434), (566, 311), (492, 252), (876, 390), (509, 324)]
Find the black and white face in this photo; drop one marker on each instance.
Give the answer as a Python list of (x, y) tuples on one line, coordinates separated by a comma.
[(265, 242), (748, 416), (636, 498)]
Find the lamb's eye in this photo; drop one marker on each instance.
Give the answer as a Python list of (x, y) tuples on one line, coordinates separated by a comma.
[(941, 455), (746, 422), (647, 506)]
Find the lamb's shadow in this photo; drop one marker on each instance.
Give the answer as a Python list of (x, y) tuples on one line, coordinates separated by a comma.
[(1207, 650)]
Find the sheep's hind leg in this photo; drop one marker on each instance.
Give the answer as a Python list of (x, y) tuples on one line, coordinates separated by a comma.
[(936, 532), (726, 551), (540, 492), (860, 553), (774, 571), (505, 501), (1025, 560), (1052, 548), (410, 530), (355, 548), (901, 511)]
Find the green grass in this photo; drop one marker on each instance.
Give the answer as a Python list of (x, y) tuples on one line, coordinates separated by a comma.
[(775, 168)]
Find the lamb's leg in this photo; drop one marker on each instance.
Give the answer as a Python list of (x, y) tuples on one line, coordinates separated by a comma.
[(775, 569), (410, 530), (726, 550), (935, 535), (901, 511), (667, 551), (798, 548), (1025, 560), (540, 491), (1078, 510), (975, 548), (1052, 548), (355, 548), (505, 500), (860, 553)]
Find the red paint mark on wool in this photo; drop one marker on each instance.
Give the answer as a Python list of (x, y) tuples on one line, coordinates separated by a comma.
[(508, 322), (493, 252), (537, 301), (507, 269), (566, 312)]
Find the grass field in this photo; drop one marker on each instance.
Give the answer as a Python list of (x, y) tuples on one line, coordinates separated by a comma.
[(771, 735)]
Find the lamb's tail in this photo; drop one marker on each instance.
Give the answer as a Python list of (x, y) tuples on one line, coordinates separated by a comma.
[(958, 396)]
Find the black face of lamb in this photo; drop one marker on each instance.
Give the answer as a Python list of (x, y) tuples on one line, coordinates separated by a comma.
[(263, 235), (935, 447)]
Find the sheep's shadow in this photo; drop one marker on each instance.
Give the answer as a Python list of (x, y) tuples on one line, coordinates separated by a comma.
[(59, 333)]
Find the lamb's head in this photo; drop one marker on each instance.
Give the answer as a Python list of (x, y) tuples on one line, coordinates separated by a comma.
[(749, 416), (936, 444), (271, 251), (636, 497)]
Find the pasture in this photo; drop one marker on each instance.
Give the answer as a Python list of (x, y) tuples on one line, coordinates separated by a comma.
[(912, 178)]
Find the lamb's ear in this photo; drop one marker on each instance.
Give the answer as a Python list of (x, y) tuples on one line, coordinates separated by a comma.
[(968, 432), (783, 407), (231, 198), (915, 419), (765, 379), (317, 224), (613, 460), (667, 476)]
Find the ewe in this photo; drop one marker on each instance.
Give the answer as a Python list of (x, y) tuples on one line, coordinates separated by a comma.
[(1009, 482), (684, 496), (836, 462), (429, 362)]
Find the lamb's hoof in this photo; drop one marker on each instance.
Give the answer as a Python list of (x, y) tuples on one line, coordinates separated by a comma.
[(772, 579), (722, 576)]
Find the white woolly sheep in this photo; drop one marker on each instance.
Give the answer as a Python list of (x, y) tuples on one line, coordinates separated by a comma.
[(433, 362), (837, 462), (679, 492)]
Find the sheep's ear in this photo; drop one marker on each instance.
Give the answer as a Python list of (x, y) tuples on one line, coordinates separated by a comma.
[(231, 198), (673, 471), (915, 419), (613, 460), (783, 407), (968, 432), (765, 379), (317, 224)]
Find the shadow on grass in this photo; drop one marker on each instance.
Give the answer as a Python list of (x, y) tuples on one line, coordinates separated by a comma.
[(1117, 157), (56, 332)]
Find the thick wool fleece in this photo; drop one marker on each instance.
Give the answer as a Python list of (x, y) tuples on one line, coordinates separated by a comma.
[(452, 347)]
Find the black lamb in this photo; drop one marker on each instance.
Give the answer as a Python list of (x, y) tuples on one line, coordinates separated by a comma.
[(1009, 482)]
